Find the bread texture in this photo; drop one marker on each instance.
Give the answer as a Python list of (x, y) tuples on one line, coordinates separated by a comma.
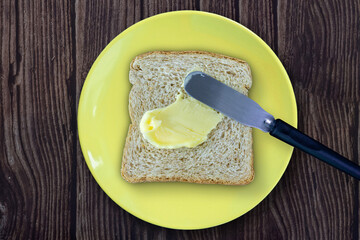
[(226, 157)]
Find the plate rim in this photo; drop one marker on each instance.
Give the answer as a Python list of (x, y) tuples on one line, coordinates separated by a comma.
[(141, 22)]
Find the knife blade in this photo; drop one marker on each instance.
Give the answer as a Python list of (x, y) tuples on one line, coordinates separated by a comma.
[(227, 100), (239, 107)]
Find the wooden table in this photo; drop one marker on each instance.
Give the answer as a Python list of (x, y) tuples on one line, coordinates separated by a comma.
[(47, 48)]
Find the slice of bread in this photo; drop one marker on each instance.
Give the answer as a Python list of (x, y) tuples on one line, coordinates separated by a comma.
[(226, 157)]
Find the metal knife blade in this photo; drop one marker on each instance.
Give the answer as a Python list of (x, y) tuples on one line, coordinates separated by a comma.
[(244, 110), (227, 100)]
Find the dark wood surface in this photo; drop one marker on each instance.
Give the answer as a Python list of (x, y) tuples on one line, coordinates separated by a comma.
[(47, 48)]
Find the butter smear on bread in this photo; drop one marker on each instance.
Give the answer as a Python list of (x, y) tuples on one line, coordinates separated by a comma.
[(184, 123)]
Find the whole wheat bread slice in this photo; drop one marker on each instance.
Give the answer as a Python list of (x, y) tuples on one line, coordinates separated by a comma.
[(226, 157)]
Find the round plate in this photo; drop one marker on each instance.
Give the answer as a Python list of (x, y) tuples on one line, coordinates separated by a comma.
[(103, 120)]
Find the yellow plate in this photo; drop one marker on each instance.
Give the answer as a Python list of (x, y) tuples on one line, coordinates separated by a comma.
[(103, 120)]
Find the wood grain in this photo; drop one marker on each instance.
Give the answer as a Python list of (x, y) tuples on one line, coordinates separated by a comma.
[(312, 194), (266, 25), (97, 216), (37, 109), (319, 43), (47, 49), (318, 47)]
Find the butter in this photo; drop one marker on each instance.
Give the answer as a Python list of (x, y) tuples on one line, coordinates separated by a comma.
[(184, 123)]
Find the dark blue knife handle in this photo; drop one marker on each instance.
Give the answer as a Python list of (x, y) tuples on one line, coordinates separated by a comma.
[(294, 137)]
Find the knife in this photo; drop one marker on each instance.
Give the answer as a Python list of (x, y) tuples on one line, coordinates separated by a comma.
[(239, 107)]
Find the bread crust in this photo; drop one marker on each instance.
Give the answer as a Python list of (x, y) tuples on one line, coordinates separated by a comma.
[(125, 159), (217, 55)]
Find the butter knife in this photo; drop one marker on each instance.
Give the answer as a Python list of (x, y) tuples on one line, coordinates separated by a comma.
[(239, 107)]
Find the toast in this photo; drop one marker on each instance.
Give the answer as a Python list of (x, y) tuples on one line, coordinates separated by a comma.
[(226, 157)]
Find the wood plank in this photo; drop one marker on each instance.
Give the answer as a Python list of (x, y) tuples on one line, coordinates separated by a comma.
[(97, 216), (356, 228), (261, 18), (314, 200), (37, 112), (319, 46), (153, 7), (229, 8)]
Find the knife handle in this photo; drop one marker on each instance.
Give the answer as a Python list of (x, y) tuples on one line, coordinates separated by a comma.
[(294, 137)]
